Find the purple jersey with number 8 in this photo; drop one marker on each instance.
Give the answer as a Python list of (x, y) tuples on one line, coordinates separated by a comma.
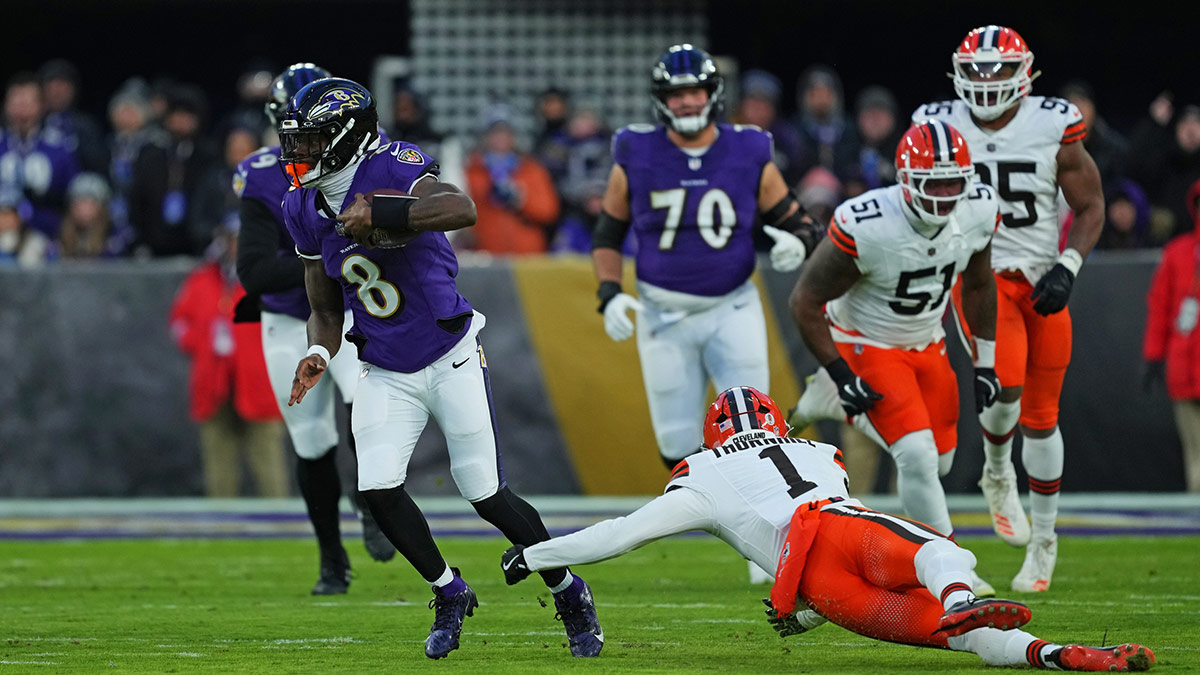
[(406, 306)]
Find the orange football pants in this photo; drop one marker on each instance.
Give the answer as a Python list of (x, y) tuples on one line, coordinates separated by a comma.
[(859, 573), (919, 391), (1032, 351)]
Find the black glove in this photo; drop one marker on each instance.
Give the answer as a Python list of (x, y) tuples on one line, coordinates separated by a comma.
[(1154, 373), (1052, 290), (786, 625), (857, 396), (987, 388)]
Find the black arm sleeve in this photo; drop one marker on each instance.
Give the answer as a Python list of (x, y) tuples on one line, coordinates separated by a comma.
[(390, 212), (260, 267), (799, 223), (610, 232)]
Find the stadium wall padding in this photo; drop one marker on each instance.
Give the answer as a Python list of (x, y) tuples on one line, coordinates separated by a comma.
[(93, 402)]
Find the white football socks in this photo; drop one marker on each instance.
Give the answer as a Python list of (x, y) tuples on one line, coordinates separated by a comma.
[(945, 569), (999, 422), (1006, 648), (1043, 460)]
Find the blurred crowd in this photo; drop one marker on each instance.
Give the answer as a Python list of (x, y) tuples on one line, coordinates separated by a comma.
[(154, 179)]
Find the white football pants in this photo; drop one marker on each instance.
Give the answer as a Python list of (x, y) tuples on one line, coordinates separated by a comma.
[(311, 423), (681, 353), (392, 408)]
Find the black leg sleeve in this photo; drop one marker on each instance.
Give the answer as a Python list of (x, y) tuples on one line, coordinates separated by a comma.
[(321, 488), (402, 522), (519, 522)]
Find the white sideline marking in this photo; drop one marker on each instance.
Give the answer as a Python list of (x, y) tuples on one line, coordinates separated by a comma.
[(190, 654), (30, 663)]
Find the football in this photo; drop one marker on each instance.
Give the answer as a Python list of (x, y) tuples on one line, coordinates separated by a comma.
[(381, 238)]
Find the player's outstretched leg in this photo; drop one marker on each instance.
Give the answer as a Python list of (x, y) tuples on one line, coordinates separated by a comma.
[(1133, 658), (452, 603), (522, 525)]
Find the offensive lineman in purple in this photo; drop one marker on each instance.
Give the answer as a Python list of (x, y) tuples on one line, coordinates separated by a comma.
[(404, 323), (708, 248)]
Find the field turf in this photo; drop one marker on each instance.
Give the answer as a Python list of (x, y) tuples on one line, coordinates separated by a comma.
[(681, 605)]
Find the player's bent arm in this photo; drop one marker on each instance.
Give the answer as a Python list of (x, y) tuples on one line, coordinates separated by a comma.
[(439, 207), (612, 228), (1080, 182), (828, 274), (259, 267), (677, 511), (328, 308), (979, 295)]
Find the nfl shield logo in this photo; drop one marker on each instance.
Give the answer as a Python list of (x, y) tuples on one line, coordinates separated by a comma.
[(932, 250), (694, 163)]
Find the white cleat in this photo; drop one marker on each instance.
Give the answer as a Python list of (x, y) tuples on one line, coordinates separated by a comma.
[(758, 575), (820, 401), (1038, 568), (981, 588), (1008, 518)]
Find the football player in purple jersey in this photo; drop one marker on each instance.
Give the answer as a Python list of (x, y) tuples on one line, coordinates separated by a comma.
[(388, 259), (269, 269), (691, 190)]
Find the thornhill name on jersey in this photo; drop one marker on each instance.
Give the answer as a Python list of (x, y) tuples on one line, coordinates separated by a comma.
[(755, 439)]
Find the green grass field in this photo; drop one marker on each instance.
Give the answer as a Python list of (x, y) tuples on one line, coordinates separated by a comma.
[(677, 605)]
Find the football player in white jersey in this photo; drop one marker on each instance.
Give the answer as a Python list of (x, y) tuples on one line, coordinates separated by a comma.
[(869, 305), (1027, 148), (783, 503)]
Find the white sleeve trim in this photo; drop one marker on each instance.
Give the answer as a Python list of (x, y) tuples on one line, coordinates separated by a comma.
[(419, 179), (307, 256)]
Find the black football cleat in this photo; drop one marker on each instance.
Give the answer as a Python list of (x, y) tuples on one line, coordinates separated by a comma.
[(335, 574), (966, 616)]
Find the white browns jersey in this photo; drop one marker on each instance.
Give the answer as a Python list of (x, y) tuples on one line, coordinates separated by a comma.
[(1021, 162), (756, 481), (899, 300)]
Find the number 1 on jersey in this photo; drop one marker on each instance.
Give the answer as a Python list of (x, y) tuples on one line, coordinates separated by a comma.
[(796, 483)]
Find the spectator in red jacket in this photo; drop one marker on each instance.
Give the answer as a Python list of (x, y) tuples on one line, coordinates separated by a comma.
[(230, 394), (514, 194), (1172, 347)]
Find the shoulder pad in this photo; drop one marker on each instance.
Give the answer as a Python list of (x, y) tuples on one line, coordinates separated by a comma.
[(639, 128)]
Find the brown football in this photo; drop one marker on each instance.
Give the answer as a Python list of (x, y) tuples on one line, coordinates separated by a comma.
[(381, 238)]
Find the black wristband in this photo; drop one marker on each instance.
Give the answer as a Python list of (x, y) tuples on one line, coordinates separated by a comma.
[(390, 212), (607, 291), (839, 370)]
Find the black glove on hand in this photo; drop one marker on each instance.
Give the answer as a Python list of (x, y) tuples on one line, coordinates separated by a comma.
[(1052, 290), (786, 625), (987, 388), (1154, 373), (857, 396)]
